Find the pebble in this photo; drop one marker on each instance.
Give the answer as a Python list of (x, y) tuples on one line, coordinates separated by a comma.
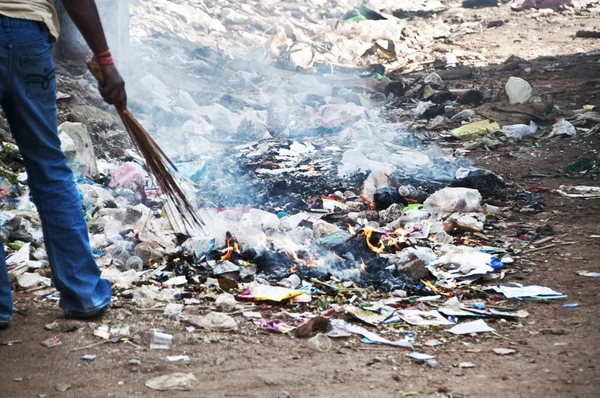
[(504, 351), (18, 380), (432, 363), (271, 382), (52, 326), (283, 394), (62, 387), (135, 361), (220, 361)]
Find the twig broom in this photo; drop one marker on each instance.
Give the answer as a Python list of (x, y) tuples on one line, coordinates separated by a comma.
[(156, 160)]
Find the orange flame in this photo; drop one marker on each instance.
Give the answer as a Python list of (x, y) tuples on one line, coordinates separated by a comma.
[(351, 230), (230, 249), (380, 249), (368, 201), (435, 289), (363, 267), (312, 263)]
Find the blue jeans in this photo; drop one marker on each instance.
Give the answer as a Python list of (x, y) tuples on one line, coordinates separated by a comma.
[(28, 97)]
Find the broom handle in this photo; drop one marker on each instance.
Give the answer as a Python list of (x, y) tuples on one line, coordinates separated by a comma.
[(94, 67), (97, 72), (125, 116)]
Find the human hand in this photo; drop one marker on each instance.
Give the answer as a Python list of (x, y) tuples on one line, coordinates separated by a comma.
[(113, 89)]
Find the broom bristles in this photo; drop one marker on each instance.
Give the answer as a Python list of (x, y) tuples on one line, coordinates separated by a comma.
[(156, 160)]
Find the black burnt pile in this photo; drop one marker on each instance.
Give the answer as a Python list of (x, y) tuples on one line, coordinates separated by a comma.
[(354, 257)]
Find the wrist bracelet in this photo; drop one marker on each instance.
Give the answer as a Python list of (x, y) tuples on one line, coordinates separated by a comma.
[(105, 54)]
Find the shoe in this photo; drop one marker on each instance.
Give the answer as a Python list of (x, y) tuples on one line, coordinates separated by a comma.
[(87, 316)]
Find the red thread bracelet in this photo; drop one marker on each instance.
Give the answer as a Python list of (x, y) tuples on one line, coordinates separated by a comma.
[(105, 54), (104, 61)]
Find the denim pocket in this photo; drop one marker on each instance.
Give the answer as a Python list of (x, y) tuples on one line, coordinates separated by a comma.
[(40, 78)]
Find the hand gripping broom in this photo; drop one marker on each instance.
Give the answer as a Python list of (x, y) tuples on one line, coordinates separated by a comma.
[(156, 160)]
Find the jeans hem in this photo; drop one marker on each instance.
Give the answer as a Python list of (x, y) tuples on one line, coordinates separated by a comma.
[(92, 312)]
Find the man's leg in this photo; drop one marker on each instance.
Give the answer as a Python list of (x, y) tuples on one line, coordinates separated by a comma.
[(30, 106), (6, 304)]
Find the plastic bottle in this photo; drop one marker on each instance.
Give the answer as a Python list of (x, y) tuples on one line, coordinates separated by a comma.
[(134, 263)]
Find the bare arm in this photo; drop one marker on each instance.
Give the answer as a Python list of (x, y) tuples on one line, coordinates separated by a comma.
[(84, 14)]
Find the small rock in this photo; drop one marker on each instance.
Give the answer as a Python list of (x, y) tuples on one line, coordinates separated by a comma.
[(414, 267), (284, 394), (504, 351), (269, 381), (135, 361), (220, 361), (52, 326), (62, 387), (466, 365), (173, 382), (432, 363), (18, 380)]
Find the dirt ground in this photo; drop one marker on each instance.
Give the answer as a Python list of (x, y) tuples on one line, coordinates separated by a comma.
[(557, 352)]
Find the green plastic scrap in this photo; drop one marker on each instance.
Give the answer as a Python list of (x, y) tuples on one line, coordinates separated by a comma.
[(413, 207), (582, 165), (362, 14), (483, 142)]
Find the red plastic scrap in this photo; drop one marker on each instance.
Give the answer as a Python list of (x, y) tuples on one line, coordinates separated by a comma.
[(51, 342)]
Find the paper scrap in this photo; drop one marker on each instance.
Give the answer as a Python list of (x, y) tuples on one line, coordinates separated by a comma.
[(370, 336), (526, 291), (177, 281), (419, 356), (258, 292), (423, 318), (21, 257), (178, 358), (504, 351), (478, 326), (589, 274), (432, 343), (31, 279), (580, 191)]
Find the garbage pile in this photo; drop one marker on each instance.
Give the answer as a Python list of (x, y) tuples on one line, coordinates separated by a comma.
[(318, 177)]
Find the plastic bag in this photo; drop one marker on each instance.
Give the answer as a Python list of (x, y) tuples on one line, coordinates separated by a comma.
[(519, 131)]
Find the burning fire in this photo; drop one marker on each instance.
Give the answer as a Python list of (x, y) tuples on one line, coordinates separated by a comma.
[(368, 202), (363, 267), (231, 248), (351, 230), (385, 241), (301, 256), (380, 249), (435, 289)]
